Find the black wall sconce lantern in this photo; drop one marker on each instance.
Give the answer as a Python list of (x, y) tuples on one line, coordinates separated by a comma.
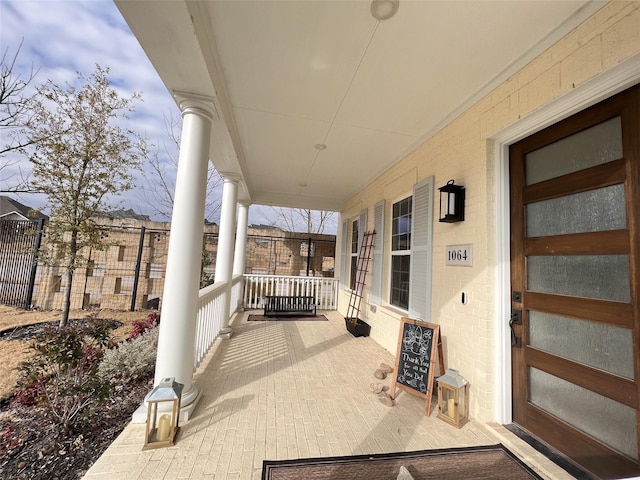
[(451, 203)]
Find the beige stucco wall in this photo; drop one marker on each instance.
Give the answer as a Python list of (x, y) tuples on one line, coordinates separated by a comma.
[(463, 151)]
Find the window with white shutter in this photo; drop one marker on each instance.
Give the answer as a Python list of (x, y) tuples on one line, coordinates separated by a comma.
[(421, 251), (400, 253), (343, 253), (378, 251)]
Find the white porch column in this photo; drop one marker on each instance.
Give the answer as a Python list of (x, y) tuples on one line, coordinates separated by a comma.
[(226, 233), (176, 342), (240, 254)]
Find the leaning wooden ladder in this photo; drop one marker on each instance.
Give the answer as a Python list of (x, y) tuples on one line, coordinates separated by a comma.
[(362, 264)]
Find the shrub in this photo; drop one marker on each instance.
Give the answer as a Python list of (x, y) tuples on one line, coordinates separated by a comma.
[(63, 375), (28, 390), (132, 360), (141, 326)]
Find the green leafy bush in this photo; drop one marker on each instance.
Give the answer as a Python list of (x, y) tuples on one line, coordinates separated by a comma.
[(132, 360), (63, 375)]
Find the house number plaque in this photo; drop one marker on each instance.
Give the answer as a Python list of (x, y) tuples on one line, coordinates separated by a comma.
[(460, 255)]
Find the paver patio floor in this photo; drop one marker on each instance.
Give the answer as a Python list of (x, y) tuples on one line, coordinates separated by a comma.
[(294, 389)]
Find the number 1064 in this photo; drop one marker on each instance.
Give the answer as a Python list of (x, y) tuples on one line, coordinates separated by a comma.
[(460, 255)]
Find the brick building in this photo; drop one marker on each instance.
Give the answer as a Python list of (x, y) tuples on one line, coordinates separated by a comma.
[(129, 271)]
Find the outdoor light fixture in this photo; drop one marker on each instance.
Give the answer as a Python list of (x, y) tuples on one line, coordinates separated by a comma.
[(451, 203), (384, 9), (453, 398), (163, 412)]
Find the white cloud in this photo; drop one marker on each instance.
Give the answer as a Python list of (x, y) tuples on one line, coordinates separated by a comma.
[(62, 38)]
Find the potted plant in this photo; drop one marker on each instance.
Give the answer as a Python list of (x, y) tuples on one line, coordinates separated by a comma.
[(357, 327)]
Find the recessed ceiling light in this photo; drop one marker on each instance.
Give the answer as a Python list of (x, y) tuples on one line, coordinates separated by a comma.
[(319, 146), (384, 9)]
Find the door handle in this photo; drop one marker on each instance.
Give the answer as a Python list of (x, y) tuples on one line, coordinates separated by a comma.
[(516, 319)]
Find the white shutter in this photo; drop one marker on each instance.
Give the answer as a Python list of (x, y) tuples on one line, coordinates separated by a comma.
[(362, 228), (376, 267), (343, 252), (421, 250)]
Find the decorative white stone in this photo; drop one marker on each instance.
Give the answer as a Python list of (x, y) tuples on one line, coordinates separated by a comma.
[(404, 474)]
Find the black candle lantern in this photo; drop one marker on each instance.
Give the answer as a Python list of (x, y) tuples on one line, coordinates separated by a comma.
[(451, 203)]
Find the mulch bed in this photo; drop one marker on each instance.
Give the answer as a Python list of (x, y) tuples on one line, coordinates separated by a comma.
[(31, 448), (28, 332)]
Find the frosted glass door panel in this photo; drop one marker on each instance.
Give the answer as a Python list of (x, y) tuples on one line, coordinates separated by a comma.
[(595, 344), (599, 144), (592, 211), (606, 420), (604, 277)]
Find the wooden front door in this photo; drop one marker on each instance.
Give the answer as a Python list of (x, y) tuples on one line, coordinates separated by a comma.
[(575, 250)]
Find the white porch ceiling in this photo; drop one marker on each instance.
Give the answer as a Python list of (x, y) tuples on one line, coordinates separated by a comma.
[(287, 75)]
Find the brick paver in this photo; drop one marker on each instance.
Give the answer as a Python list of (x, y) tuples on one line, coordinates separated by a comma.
[(281, 390)]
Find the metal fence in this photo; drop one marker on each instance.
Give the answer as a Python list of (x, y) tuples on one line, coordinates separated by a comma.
[(291, 255), (127, 273), (19, 244)]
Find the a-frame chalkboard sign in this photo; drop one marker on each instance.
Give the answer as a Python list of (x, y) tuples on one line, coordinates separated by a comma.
[(418, 343)]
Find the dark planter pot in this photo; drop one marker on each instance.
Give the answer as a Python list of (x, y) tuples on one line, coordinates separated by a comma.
[(357, 328)]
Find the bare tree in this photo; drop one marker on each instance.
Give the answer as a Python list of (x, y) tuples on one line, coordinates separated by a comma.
[(159, 177), (83, 155), (15, 119), (300, 219)]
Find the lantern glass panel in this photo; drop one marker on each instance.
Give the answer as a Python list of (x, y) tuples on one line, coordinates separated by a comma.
[(451, 210), (448, 402), (462, 403)]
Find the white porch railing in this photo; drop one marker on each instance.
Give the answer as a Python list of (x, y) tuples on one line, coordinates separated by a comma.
[(211, 301), (237, 284), (325, 290), (210, 319)]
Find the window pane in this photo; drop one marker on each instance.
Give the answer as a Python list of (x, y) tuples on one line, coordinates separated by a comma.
[(600, 346), (593, 211), (400, 280), (401, 225), (593, 146), (612, 423), (354, 264), (604, 277), (354, 236)]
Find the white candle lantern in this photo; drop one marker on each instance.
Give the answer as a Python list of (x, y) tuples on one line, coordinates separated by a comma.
[(453, 398), (163, 413)]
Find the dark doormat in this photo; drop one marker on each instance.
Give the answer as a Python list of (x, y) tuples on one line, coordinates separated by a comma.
[(262, 318), (493, 462)]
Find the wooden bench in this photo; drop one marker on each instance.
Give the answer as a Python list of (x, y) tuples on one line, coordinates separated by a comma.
[(291, 305)]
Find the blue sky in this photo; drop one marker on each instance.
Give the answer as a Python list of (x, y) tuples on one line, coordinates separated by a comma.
[(61, 38)]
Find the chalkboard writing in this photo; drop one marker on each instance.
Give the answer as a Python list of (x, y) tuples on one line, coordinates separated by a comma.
[(415, 360)]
